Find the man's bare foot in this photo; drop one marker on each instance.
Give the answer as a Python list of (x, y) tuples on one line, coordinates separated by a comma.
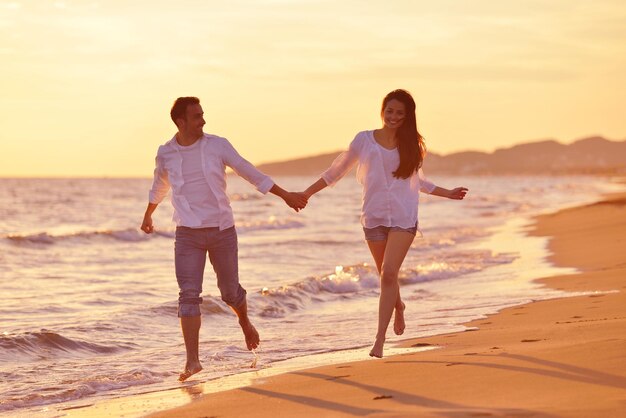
[(251, 334), (398, 320), (190, 370), (377, 350)]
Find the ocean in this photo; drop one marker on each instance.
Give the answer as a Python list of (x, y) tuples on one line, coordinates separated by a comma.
[(88, 308)]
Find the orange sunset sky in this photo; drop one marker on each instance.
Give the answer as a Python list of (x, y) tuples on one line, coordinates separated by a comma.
[(86, 86)]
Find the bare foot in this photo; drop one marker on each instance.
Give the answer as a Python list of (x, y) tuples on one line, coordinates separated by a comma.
[(251, 334), (398, 320), (377, 350), (190, 370)]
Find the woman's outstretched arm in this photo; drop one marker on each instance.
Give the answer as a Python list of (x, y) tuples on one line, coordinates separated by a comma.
[(456, 194), (315, 187)]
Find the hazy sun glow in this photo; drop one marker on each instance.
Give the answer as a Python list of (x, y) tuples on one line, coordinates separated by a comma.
[(87, 85)]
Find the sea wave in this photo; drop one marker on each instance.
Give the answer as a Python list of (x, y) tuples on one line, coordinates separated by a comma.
[(454, 265), (126, 235), (73, 389), (278, 301), (136, 235), (364, 278), (271, 223), (46, 344), (210, 306), (436, 238)]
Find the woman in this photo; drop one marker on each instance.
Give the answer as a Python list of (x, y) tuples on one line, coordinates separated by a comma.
[(389, 163)]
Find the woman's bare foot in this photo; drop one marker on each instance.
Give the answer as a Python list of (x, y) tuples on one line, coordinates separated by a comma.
[(377, 350), (190, 369), (398, 320), (251, 334)]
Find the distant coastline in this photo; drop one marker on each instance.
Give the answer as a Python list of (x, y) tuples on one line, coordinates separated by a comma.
[(593, 155)]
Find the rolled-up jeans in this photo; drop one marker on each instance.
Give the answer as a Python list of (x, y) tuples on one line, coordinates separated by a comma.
[(190, 253)]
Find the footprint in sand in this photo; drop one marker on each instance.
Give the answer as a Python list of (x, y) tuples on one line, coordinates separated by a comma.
[(337, 377)]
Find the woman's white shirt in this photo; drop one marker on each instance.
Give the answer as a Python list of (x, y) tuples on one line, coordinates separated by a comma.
[(387, 201)]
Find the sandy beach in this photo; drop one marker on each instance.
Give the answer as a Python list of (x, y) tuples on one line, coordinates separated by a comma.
[(555, 358)]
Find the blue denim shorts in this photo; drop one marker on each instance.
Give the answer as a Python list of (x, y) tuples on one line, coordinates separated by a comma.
[(190, 254), (380, 233)]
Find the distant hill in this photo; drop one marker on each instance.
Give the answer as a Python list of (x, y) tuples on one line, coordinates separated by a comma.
[(594, 155), (300, 167)]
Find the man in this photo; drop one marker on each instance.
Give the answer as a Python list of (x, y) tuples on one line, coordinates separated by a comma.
[(193, 165)]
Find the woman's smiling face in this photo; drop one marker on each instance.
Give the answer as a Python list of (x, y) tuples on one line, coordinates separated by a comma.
[(394, 114)]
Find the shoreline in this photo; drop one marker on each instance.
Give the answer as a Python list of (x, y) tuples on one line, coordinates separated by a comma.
[(334, 393)]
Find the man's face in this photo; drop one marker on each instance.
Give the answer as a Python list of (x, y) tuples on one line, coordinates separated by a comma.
[(194, 121)]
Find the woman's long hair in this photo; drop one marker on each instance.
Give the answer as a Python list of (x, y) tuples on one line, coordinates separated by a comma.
[(411, 145)]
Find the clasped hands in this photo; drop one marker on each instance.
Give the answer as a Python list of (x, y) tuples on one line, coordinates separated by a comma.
[(296, 200)]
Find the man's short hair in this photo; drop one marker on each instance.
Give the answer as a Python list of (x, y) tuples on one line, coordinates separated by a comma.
[(179, 109)]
